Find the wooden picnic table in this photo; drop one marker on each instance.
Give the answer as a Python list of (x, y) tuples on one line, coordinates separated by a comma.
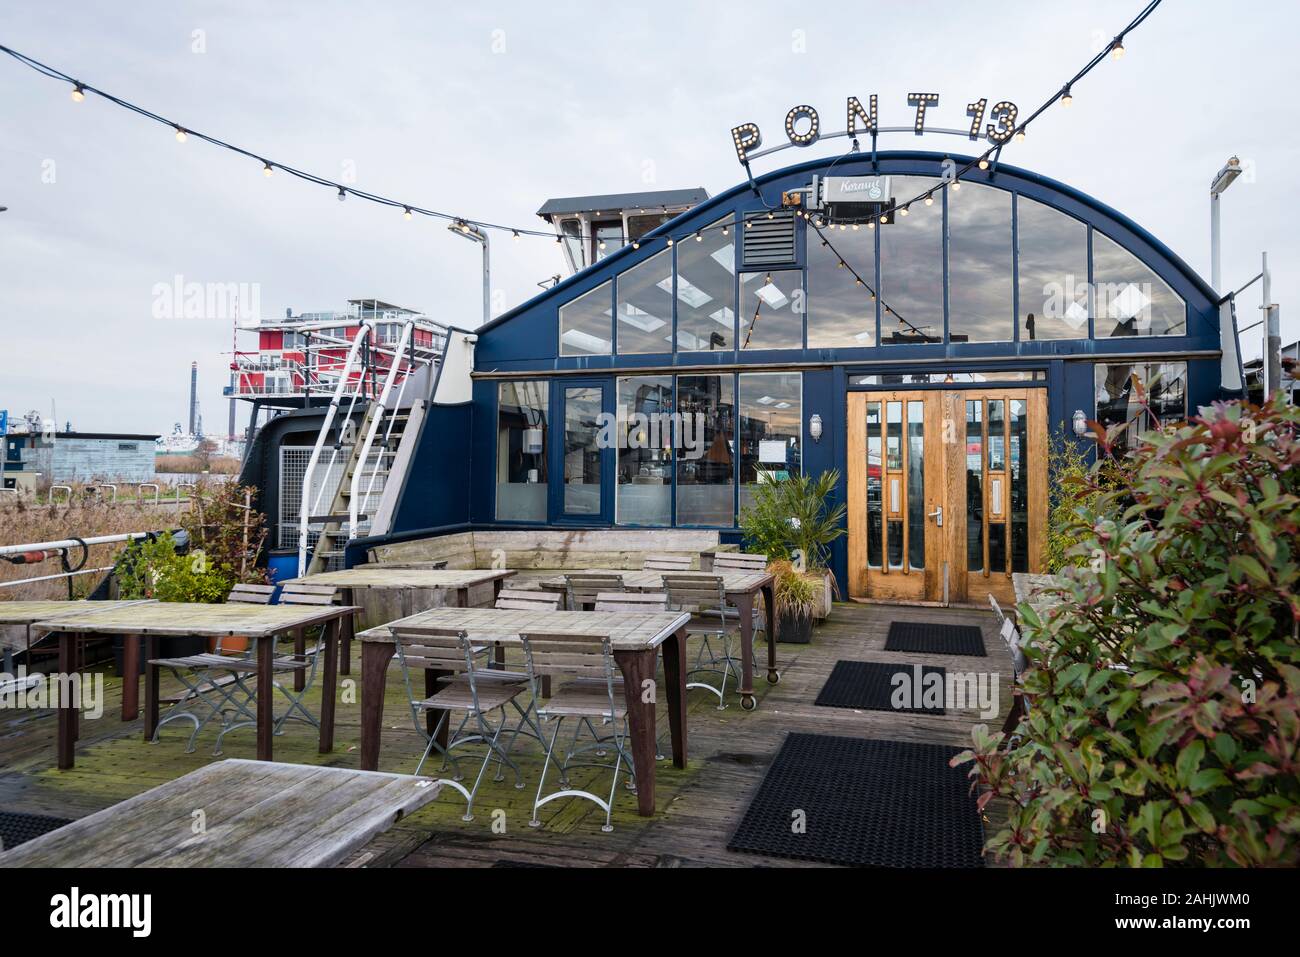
[(741, 589), (1035, 590), (634, 637), (255, 815), (465, 587), (154, 620)]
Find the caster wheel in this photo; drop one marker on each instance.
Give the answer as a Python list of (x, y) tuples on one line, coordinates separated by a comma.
[(748, 703), (774, 677)]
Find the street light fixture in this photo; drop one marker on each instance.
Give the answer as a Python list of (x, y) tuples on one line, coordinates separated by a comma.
[(474, 234), (1222, 180)]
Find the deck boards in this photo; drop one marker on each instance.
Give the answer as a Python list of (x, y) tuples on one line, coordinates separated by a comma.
[(698, 807)]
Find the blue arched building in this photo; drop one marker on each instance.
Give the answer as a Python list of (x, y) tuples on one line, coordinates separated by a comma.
[(930, 359)]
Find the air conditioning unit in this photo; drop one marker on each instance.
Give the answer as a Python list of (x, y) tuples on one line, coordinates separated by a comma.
[(849, 199)]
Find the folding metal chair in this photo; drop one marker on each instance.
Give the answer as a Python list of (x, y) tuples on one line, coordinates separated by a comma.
[(599, 698), (451, 651), (631, 601), (667, 563), (582, 588), (997, 609), (706, 600)]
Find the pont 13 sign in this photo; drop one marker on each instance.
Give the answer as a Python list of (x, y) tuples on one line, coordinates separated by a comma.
[(803, 123)]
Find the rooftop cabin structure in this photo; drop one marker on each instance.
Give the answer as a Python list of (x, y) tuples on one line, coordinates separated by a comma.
[(931, 360), (592, 227)]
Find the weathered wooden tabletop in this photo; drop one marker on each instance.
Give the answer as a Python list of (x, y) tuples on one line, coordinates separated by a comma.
[(192, 618), (1034, 589), (253, 814), (369, 576), (734, 583), (16, 615), (627, 631)]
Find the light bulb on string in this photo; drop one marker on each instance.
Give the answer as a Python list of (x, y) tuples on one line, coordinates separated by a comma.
[(1066, 97), (343, 194), (1020, 135), (78, 93), (180, 134), (984, 162), (516, 234), (1117, 49), (406, 212), (267, 170)]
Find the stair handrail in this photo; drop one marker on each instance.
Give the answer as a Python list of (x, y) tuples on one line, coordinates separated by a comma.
[(354, 499), (335, 402)]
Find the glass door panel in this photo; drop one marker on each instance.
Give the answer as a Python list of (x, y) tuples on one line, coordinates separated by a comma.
[(582, 453)]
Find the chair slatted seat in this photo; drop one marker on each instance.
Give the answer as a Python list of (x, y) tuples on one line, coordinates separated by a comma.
[(739, 562), (250, 594)]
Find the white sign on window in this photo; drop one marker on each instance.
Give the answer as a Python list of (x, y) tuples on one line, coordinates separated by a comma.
[(772, 451)]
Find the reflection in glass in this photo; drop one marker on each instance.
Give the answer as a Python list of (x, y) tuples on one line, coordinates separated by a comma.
[(911, 268), (582, 408), (645, 450), (771, 413), (706, 290), (997, 486), (874, 477), (521, 451), (771, 310), (1163, 383), (645, 305), (997, 457), (841, 313), (705, 462), (585, 327), (980, 305), (894, 482), (1131, 300), (1019, 488), (975, 485), (1053, 264), (916, 484)]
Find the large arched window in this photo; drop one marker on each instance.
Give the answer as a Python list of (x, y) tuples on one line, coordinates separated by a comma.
[(1053, 267), (911, 267), (980, 264), (1129, 298), (706, 289), (585, 326)]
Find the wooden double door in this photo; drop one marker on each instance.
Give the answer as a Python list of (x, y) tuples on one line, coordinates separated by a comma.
[(947, 493)]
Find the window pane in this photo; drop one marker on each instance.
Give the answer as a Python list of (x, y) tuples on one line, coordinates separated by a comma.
[(771, 415), (997, 462), (1019, 489), (979, 264), (916, 484), (1165, 387), (645, 305), (894, 482), (521, 451), (585, 327), (645, 405), (1131, 300), (1053, 263), (841, 313), (875, 535), (705, 450), (706, 290), (582, 408), (911, 268), (771, 315), (975, 485)]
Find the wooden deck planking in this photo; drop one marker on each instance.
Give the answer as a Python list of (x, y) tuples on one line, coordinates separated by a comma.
[(698, 807)]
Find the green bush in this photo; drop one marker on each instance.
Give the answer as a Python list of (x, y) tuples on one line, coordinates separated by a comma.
[(1164, 692), (153, 569), (791, 520), (1073, 484)]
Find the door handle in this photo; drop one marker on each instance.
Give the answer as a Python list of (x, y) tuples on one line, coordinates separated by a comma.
[(937, 515)]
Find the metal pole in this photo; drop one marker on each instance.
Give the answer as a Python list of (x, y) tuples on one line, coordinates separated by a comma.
[(1272, 337), (1214, 241), (487, 279)]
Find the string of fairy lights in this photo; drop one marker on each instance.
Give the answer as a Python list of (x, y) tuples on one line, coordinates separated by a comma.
[(986, 160)]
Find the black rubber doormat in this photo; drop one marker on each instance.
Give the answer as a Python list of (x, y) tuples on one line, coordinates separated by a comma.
[(935, 638), (18, 828), (863, 802), (884, 686)]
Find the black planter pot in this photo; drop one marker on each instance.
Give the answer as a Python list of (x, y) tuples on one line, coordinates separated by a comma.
[(793, 628)]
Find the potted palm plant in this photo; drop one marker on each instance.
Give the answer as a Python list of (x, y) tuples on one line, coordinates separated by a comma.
[(796, 600), (792, 520)]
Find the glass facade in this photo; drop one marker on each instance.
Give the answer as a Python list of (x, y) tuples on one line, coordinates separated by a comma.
[(771, 411), (645, 306), (705, 449), (521, 451), (645, 437), (841, 309), (585, 326), (706, 289), (980, 289), (1129, 298), (1119, 400), (1053, 272), (771, 310), (582, 408), (911, 268)]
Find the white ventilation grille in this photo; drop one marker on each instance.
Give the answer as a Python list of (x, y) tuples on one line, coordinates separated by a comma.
[(769, 242)]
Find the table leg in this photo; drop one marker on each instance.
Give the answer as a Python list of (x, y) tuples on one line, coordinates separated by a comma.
[(265, 696), (130, 677), (150, 687), (638, 667), (745, 608), (300, 654), (329, 647), (67, 711), (375, 656), (675, 677), (769, 609), (347, 633)]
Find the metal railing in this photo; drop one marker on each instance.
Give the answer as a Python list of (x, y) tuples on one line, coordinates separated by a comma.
[(356, 500)]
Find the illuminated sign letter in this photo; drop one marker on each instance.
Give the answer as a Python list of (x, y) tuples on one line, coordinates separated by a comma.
[(976, 112), (856, 112), (921, 101), (808, 137), (1004, 115), (746, 137)]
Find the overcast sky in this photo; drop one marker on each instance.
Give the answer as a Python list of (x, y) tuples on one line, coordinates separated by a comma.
[(488, 109)]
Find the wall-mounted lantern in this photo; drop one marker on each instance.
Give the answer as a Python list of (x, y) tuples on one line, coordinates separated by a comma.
[(1080, 423), (815, 427)]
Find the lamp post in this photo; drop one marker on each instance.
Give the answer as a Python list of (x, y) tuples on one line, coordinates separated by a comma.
[(474, 234), (1222, 180)]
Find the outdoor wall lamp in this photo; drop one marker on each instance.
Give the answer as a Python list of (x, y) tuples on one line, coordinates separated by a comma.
[(815, 427), (1080, 423)]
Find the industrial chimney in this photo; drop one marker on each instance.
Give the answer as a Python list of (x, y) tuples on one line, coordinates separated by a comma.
[(194, 397)]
